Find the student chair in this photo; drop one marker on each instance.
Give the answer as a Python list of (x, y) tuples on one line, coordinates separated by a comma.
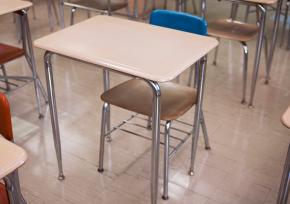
[(238, 31), (100, 6)]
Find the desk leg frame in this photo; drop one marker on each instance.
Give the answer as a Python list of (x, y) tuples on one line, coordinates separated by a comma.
[(53, 112), (285, 181), (258, 52), (156, 110), (198, 115), (13, 187)]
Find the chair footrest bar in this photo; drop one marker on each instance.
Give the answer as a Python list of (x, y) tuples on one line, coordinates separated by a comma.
[(174, 146)]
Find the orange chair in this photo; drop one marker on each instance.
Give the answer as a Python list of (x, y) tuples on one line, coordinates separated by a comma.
[(3, 194), (11, 190)]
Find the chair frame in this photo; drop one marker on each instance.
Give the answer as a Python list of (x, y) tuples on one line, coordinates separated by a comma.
[(77, 6)]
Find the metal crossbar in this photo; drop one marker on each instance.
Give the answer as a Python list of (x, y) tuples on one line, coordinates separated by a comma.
[(179, 140), (23, 81)]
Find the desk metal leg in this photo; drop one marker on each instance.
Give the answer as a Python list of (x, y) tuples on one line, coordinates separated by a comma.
[(53, 112), (258, 52), (155, 140), (284, 186), (13, 187), (274, 40), (198, 114)]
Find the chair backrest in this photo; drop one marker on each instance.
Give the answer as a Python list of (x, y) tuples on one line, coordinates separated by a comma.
[(5, 118), (179, 21)]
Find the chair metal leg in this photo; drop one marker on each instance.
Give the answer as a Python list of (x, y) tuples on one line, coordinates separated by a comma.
[(273, 40), (245, 70), (55, 11), (178, 5), (285, 181), (266, 49), (14, 190), (288, 43), (166, 160), (102, 137), (61, 13), (196, 74), (284, 23), (50, 16), (29, 54), (204, 130), (165, 4), (184, 5), (216, 53), (258, 53), (190, 76), (145, 7), (149, 123), (197, 116), (2, 67), (106, 81), (234, 11), (153, 4), (194, 7), (247, 13), (73, 10)]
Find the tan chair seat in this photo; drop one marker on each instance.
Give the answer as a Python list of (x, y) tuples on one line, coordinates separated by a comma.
[(8, 53), (136, 95), (99, 4), (232, 30)]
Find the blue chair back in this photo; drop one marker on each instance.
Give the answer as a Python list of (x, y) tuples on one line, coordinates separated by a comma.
[(179, 21)]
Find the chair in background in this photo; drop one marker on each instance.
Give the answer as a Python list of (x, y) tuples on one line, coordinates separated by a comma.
[(234, 30), (9, 53), (11, 189), (100, 6), (181, 5), (136, 94)]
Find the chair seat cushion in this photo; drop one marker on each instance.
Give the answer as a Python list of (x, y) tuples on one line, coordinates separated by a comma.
[(232, 30), (136, 95), (8, 53), (99, 4), (3, 194)]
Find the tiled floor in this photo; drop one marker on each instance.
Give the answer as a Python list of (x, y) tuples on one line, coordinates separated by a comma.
[(248, 145)]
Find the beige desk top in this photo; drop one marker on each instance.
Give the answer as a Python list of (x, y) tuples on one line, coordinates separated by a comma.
[(9, 6), (11, 157), (286, 118), (135, 48)]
